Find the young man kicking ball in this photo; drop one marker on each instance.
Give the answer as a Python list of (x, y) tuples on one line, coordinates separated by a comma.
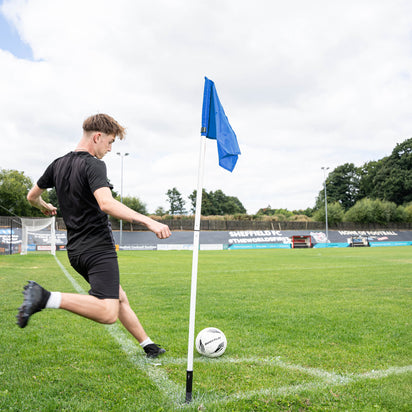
[(85, 200)]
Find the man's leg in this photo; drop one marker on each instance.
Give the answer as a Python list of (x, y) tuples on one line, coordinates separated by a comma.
[(131, 322), (36, 298), (129, 319), (100, 310)]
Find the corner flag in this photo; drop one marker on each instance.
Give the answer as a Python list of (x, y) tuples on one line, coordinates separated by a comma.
[(215, 125)]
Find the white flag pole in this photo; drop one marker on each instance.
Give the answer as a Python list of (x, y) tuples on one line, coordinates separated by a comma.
[(196, 235)]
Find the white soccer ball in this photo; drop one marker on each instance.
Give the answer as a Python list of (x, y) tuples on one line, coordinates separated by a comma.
[(211, 342)]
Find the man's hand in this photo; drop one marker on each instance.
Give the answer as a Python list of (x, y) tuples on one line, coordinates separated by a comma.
[(159, 229), (48, 209)]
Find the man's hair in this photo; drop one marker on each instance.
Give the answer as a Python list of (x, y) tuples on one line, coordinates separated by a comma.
[(105, 124)]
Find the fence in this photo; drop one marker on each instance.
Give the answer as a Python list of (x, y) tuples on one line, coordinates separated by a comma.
[(187, 224)]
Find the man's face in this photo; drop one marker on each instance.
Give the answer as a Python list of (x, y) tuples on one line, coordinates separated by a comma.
[(103, 144)]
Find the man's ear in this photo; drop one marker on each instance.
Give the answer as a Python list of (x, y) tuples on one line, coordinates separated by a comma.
[(96, 137)]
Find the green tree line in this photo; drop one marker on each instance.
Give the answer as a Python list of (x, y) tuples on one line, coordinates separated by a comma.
[(388, 179), (214, 203), (15, 185), (376, 192)]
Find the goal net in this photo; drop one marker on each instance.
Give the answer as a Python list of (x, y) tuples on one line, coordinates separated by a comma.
[(46, 239)]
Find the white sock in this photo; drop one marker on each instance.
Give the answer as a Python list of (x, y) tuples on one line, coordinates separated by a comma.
[(54, 300), (146, 342)]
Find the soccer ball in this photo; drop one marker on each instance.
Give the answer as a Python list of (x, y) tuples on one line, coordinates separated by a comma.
[(211, 342)]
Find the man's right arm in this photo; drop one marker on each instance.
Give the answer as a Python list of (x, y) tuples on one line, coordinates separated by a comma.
[(118, 210)]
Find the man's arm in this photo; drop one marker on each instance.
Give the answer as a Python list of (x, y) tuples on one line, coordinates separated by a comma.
[(35, 199), (118, 210)]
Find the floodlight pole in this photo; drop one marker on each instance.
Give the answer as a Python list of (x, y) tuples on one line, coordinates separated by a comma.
[(122, 155), (11, 237), (326, 201)]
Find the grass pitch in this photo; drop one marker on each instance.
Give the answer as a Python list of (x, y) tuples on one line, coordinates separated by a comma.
[(307, 330)]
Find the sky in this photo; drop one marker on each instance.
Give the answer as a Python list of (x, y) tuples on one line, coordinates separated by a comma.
[(305, 85)]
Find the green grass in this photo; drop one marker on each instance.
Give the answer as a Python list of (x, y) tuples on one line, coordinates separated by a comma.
[(307, 330)]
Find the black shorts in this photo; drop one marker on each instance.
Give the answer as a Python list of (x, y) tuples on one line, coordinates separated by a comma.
[(101, 271)]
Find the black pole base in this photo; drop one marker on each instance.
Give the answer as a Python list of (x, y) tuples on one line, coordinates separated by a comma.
[(189, 383)]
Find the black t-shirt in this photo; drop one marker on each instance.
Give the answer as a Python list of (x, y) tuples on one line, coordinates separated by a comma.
[(76, 176)]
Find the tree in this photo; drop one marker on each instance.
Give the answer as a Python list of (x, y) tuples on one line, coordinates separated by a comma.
[(307, 212), (268, 211), (342, 185), (285, 214), (176, 202), (367, 174), (217, 203), (160, 211), (233, 206), (206, 204), (392, 180), (408, 211), (134, 203), (14, 186), (376, 211), (336, 213)]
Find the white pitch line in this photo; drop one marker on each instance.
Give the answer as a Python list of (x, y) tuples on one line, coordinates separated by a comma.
[(172, 391), (383, 373), (327, 378), (292, 389), (318, 373)]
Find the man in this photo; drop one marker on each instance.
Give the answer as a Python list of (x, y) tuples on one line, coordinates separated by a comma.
[(85, 201)]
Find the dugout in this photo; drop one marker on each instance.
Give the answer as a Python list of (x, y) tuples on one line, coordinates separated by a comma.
[(358, 241), (301, 241)]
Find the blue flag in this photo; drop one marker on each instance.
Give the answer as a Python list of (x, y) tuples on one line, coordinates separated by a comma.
[(215, 125)]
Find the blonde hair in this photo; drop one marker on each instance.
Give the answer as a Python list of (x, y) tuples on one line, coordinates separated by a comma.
[(105, 124)]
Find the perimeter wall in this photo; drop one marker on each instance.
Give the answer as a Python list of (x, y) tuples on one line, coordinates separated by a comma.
[(235, 235)]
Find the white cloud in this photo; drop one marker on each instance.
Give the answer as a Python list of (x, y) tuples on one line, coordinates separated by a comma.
[(304, 84)]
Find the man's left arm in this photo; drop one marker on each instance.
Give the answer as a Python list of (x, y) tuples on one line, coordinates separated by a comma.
[(35, 199)]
